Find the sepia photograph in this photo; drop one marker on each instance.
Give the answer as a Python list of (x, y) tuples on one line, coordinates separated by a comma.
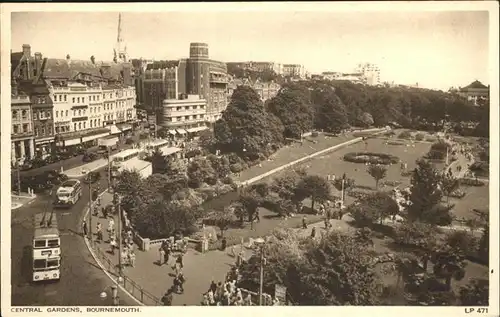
[(239, 154)]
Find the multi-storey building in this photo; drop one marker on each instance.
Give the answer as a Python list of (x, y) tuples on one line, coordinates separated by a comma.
[(159, 82), (68, 98), (22, 137), (185, 115), (266, 90), (371, 72), (294, 70), (258, 66), (475, 92)]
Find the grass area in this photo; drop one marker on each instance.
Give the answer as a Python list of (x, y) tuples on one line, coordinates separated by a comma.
[(475, 198)]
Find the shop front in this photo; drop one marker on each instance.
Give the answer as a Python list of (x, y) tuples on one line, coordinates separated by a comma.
[(44, 147), (125, 128)]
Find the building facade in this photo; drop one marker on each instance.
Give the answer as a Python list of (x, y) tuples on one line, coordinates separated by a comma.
[(159, 84), (75, 101), (266, 90), (22, 137), (475, 92), (294, 70), (371, 72), (184, 116)]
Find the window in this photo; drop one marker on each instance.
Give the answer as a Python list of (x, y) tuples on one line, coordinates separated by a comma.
[(78, 99), (42, 114), (74, 128), (14, 115), (36, 131), (84, 125), (53, 263), (79, 113), (57, 130), (186, 117), (24, 114), (25, 128), (73, 99), (97, 97), (43, 130), (79, 125), (48, 114), (39, 263), (16, 128), (67, 113), (57, 114), (179, 108), (65, 97), (186, 108), (195, 107), (99, 122), (49, 130)]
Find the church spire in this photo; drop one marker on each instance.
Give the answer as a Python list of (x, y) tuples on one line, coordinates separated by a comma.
[(120, 51)]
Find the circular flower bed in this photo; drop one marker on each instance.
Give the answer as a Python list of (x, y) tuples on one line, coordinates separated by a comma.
[(372, 158)]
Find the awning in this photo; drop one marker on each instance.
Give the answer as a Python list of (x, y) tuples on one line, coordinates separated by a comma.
[(125, 127), (181, 131), (114, 129), (197, 129), (72, 142), (93, 137), (172, 132)]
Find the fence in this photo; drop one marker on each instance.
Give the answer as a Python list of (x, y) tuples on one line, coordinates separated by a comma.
[(133, 288)]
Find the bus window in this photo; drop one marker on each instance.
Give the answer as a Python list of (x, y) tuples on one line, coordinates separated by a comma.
[(53, 243), (39, 264), (53, 263), (40, 243)]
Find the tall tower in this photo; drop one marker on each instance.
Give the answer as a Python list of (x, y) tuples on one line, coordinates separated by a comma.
[(120, 51)]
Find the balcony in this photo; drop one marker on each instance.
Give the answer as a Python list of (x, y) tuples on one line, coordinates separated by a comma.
[(173, 112), (183, 123), (80, 119), (218, 79)]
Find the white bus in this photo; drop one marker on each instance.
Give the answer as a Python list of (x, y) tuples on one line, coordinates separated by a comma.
[(120, 158), (69, 193), (156, 145), (46, 248)]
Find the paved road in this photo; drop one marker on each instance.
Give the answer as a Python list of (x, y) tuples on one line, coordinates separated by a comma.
[(81, 279)]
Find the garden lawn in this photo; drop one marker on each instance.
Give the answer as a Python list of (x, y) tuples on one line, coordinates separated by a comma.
[(475, 198), (332, 163), (293, 152)]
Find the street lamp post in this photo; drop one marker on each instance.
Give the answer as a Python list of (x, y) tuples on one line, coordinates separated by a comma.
[(109, 167), (119, 237), (114, 292), (90, 208), (18, 172), (260, 242)]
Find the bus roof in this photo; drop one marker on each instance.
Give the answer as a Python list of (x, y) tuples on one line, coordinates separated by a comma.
[(134, 164), (169, 150), (126, 153), (157, 142), (42, 230), (70, 183)]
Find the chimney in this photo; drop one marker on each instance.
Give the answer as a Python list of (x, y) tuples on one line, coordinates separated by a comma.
[(68, 59), (38, 63), (26, 50)]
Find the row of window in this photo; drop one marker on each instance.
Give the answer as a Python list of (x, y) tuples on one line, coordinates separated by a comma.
[(185, 108), (43, 130), (65, 113), (24, 114), (185, 118), (42, 114), (18, 128)]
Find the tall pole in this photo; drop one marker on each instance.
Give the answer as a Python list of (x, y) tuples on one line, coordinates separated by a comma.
[(109, 167), (119, 236), (261, 281), (18, 170), (342, 194), (90, 208)]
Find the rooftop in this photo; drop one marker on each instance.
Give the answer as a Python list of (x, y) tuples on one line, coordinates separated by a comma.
[(475, 85)]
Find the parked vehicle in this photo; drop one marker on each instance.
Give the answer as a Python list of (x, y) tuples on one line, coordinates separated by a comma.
[(89, 157), (106, 144)]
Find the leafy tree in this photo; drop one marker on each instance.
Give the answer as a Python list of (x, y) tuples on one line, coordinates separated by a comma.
[(220, 165), (366, 119), (419, 235), (484, 245), (349, 184), (200, 171), (374, 207), (462, 240), (127, 183), (475, 293), (286, 187), (331, 114), (222, 219), (315, 187), (158, 162), (425, 196), (245, 128), (293, 107), (378, 172), (207, 140), (449, 263), (363, 236), (250, 201), (335, 270)]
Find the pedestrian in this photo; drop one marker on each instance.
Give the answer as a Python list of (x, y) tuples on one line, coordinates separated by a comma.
[(257, 216), (304, 222), (99, 232), (131, 258), (84, 228), (213, 287), (182, 279), (113, 245), (167, 298), (327, 223), (179, 262), (313, 232)]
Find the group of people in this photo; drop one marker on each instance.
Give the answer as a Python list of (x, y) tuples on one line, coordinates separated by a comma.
[(167, 248), (226, 293)]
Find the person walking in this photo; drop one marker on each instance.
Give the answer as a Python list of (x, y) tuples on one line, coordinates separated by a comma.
[(131, 258), (84, 228), (313, 232), (99, 232), (304, 222)]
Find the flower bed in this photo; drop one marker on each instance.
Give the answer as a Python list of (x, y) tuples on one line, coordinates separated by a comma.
[(395, 143), (372, 158), (458, 194), (357, 194), (391, 183)]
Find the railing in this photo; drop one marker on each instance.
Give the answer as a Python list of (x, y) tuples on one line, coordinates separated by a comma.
[(132, 287)]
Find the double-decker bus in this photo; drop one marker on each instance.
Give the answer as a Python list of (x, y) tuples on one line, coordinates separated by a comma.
[(46, 248), (68, 193)]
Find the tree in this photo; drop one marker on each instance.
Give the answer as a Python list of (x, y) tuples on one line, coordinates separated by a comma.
[(293, 107), (286, 187), (250, 202), (200, 171), (220, 165), (475, 293), (315, 187), (334, 270), (127, 183), (449, 184), (449, 263), (378, 172), (222, 219), (158, 162), (349, 184), (420, 236), (246, 129), (366, 119), (331, 114), (374, 207), (426, 195)]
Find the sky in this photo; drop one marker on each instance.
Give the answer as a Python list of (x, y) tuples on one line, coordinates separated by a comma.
[(434, 49)]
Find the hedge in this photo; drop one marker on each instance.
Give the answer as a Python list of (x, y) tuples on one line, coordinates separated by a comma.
[(370, 157), (471, 182)]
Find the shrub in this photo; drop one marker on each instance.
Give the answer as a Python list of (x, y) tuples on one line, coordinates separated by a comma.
[(457, 194), (391, 183), (358, 194), (236, 167), (227, 180), (419, 137), (372, 158), (230, 241), (129, 141), (404, 135), (471, 182)]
